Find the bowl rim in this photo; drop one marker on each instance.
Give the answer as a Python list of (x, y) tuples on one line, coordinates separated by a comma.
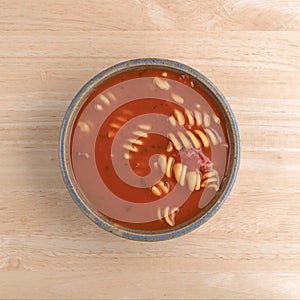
[(65, 161)]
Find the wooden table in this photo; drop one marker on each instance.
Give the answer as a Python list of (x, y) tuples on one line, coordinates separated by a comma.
[(249, 249)]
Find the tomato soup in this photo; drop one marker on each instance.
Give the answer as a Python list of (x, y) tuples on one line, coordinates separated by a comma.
[(149, 149)]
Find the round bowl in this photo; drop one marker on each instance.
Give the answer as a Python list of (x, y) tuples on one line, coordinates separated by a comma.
[(66, 161)]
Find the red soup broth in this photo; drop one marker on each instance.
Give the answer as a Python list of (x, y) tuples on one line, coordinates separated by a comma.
[(149, 149)]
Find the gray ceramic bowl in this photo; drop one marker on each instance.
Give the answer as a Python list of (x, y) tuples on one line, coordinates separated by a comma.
[(65, 162)]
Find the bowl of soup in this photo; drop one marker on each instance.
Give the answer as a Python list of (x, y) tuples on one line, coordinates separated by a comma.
[(149, 149)]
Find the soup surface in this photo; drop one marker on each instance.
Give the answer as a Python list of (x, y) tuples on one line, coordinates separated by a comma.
[(149, 149)]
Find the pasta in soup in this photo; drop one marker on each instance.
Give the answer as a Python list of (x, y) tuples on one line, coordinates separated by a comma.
[(149, 148)]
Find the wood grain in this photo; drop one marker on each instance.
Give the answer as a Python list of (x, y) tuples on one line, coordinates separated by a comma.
[(249, 249), (276, 15)]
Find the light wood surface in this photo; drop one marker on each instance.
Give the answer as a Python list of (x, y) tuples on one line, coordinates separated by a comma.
[(249, 249)]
